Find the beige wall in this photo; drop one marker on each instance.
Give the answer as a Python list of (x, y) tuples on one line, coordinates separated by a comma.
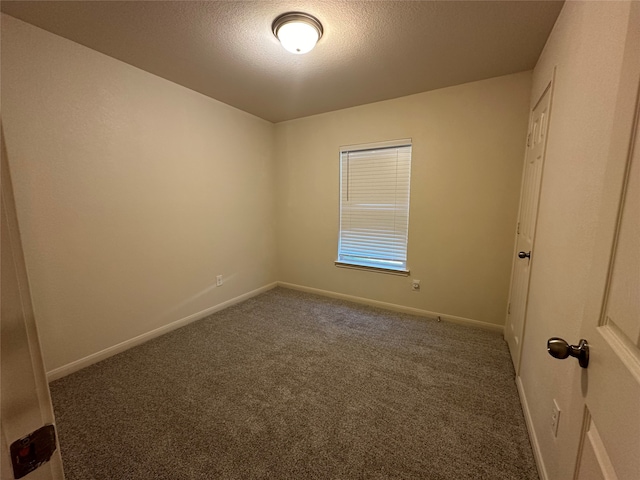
[(587, 47), (132, 193), (468, 150)]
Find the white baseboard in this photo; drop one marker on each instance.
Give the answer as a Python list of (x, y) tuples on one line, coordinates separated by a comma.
[(395, 307), (132, 342), (537, 454)]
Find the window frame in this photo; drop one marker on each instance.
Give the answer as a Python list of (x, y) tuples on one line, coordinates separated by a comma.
[(406, 142)]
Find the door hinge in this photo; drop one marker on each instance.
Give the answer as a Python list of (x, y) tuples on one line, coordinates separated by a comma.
[(509, 309), (518, 229)]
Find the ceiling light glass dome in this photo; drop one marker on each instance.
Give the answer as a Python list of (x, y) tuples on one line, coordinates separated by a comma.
[(298, 32)]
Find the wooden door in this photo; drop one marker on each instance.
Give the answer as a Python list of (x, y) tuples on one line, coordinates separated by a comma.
[(609, 446), (527, 218), (610, 441), (25, 401)]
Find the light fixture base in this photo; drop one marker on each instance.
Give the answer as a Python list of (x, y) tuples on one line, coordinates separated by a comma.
[(298, 32), (296, 16)]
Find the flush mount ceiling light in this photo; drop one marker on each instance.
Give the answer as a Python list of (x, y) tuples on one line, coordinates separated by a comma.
[(298, 32)]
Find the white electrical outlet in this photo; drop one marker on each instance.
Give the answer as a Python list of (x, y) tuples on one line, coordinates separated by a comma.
[(218, 280), (555, 418), (415, 284)]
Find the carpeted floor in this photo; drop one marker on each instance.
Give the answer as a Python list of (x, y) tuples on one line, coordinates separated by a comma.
[(289, 385)]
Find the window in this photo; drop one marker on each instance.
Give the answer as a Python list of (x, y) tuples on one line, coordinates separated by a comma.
[(374, 206)]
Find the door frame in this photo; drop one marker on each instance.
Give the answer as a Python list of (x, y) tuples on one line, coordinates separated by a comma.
[(550, 87), (41, 410)]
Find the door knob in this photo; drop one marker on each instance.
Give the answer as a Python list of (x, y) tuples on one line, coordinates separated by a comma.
[(559, 348), (524, 254)]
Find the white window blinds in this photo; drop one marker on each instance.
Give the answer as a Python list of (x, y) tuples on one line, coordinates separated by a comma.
[(374, 205)]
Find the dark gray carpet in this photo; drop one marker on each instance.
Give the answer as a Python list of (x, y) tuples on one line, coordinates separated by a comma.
[(289, 385)]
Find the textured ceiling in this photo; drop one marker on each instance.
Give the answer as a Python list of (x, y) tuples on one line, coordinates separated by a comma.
[(370, 50)]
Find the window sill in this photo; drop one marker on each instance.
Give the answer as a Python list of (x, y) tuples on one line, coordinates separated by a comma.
[(388, 271)]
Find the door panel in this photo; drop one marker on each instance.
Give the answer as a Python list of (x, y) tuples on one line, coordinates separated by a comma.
[(611, 384), (623, 306), (594, 463), (527, 218)]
